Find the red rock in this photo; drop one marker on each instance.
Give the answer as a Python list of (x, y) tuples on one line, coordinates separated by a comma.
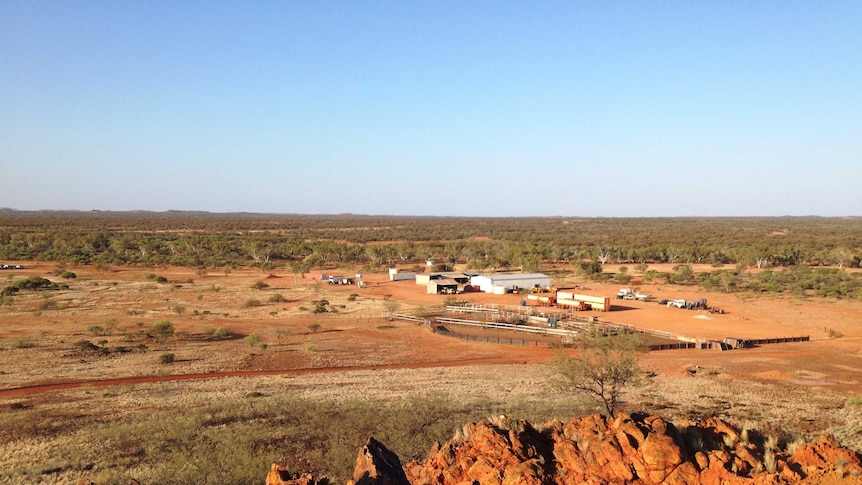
[(624, 449), (376, 465), (278, 475), (825, 454)]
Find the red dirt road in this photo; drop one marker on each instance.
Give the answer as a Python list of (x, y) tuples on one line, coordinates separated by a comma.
[(61, 386)]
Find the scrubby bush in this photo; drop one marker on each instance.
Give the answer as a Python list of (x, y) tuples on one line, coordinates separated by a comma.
[(219, 333), (276, 298), (86, 346), (162, 330), (622, 278), (320, 306), (25, 343), (33, 283), (167, 358), (260, 285), (250, 303), (157, 278), (590, 269)]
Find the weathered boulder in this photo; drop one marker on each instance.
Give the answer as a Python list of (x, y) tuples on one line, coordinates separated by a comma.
[(278, 475), (376, 465), (826, 454)]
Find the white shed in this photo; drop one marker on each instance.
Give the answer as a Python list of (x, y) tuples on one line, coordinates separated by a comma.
[(501, 283)]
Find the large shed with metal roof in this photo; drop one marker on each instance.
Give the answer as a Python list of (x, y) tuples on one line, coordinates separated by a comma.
[(503, 283)]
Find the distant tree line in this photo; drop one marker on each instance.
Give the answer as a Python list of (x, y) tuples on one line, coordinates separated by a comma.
[(206, 240)]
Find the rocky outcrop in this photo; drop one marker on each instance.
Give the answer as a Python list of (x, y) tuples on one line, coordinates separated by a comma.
[(625, 449), (278, 475), (376, 465)]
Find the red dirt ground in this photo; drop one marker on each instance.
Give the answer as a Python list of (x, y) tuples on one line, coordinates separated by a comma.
[(366, 342)]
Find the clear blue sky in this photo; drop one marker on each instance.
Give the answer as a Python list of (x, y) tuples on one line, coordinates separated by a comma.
[(495, 108)]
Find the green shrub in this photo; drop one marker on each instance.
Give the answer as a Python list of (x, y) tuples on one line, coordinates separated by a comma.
[(68, 275), (162, 330), (220, 333), (622, 278), (277, 298), (260, 285), (167, 358)]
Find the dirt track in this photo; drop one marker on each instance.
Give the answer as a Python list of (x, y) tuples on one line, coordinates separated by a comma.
[(60, 386)]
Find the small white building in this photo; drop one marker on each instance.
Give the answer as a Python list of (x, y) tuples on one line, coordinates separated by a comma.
[(501, 283)]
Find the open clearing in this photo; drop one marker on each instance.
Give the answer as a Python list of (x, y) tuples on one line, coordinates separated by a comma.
[(353, 352)]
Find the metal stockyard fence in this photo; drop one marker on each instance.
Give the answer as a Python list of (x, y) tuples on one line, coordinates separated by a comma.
[(683, 342), (472, 309), (676, 346), (334, 316), (508, 326), (406, 317), (499, 340), (779, 340)]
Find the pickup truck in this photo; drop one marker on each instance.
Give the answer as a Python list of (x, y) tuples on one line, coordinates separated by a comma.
[(676, 303)]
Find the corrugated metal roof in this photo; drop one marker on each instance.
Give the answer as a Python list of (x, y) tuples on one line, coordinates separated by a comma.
[(453, 274), (516, 276), (443, 282)]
